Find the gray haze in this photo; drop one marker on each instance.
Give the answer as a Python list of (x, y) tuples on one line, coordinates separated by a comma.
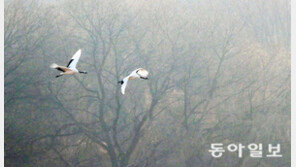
[(219, 73)]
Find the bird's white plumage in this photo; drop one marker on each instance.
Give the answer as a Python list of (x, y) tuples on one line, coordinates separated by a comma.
[(53, 65), (70, 69), (138, 73), (142, 73), (75, 59), (123, 86)]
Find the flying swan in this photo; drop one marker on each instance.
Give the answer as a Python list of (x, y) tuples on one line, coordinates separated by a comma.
[(138, 73), (71, 67)]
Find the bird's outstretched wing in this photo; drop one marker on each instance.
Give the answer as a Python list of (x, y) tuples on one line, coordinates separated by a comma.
[(73, 62), (123, 85)]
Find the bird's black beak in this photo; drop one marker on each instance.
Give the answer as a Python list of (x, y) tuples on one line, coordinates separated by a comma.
[(83, 72)]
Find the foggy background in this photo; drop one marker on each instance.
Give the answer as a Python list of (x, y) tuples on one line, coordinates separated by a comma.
[(219, 73)]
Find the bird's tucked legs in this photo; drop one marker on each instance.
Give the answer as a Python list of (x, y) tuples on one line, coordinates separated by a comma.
[(61, 74), (143, 78)]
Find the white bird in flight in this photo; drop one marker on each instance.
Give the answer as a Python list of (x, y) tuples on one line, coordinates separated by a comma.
[(71, 67), (138, 73)]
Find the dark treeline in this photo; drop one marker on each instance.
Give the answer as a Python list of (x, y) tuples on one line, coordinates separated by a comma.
[(219, 72)]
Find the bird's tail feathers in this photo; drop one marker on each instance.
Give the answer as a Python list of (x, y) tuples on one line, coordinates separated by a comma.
[(121, 82), (54, 65)]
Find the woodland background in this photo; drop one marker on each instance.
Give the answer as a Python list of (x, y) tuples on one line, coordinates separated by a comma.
[(219, 72)]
